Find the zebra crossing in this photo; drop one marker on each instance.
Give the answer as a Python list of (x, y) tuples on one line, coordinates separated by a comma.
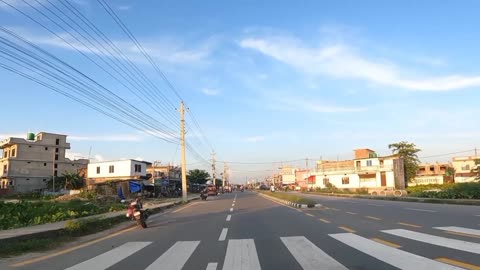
[(243, 254)]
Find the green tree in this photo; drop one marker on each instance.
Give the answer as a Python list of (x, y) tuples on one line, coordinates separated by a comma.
[(407, 151), (198, 176), (476, 170), (68, 180)]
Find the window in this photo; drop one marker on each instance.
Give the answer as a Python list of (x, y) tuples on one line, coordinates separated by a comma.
[(44, 180), (5, 153), (369, 163), (55, 173), (57, 141), (28, 162), (55, 166), (56, 157), (28, 179), (5, 168), (29, 146), (98, 170), (46, 148), (13, 152), (45, 164), (10, 183), (466, 167), (326, 181), (138, 168), (111, 169), (56, 150), (345, 180)]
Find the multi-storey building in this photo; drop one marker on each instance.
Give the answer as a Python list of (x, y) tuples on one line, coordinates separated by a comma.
[(27, 164), (367, 170), (437, 173), (463, 168)]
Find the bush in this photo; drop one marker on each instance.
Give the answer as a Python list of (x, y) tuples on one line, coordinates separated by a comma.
[(451, 191), (421, 188)]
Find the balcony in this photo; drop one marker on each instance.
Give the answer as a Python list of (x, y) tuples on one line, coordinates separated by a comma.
[(348, 170)]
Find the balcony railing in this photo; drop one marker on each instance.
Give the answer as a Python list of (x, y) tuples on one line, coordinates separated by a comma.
[(356, 169)]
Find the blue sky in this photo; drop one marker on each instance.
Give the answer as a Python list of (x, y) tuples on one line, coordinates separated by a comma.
[(273, 80)]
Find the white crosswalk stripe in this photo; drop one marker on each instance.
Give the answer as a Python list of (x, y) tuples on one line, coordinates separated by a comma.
[(436, 240), (241, 255), (175, 257), (396, 257), (309, 256), (111, 257), (459, 230)]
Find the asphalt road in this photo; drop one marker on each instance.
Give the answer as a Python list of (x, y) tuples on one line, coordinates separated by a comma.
[(247, 231)]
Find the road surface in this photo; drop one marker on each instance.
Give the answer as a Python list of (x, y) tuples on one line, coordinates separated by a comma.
[(247, 231)]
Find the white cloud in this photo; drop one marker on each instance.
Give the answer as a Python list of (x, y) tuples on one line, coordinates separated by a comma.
[(75, 155), (124, 7), (304, 104), (166, 50), (210, 91), (255, 139), (340, 61)]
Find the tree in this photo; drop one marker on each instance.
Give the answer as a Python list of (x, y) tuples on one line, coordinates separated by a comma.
[(68, 180), (407, 151), (476, 170), (198, 176)]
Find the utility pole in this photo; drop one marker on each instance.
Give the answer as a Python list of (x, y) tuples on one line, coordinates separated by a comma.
[(306, 163), (214, 174), (224, 176), (476, 152), (182, 143), (53, 170)]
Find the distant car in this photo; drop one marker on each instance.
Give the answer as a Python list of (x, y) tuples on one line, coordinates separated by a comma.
[(264, 187), (297, 188), (272, 189)]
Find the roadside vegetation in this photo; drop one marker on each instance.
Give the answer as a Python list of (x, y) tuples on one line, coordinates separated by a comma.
[(28, 213), (294, 198), (446, 191)]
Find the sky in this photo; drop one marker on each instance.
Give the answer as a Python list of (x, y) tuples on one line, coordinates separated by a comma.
[(266, 81)]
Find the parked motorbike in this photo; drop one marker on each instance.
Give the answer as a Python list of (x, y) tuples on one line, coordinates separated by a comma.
[(134, 212), (204, 196)]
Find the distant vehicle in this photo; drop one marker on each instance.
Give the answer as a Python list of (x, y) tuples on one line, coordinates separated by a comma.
[(297, 188), (212, 190), (263, 187), (272, 189)]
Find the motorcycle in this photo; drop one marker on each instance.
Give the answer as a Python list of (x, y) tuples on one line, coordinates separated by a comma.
[(204, 196), (137, 214)]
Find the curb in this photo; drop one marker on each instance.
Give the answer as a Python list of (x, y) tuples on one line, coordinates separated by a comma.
[(292, 204)]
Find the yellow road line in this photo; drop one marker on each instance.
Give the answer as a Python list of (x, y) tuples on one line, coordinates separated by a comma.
[(462, 234), (351, 213), (409, 225), (385, 242), (23, 263), (375, 218), (180, 209), (459, 263), (324, 220), (350, 230), (310, 215)]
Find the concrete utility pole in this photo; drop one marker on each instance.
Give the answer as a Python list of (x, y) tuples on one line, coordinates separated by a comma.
[(224, 176), (214, 174), (53, 170), (182, 143)]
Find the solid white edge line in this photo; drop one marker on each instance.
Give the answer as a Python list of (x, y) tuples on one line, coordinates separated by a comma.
[(393, 256), (229, 217), (436, 240), (223, 234)]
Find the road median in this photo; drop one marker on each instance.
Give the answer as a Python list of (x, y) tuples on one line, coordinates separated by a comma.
[(290, 199), (402, 199)]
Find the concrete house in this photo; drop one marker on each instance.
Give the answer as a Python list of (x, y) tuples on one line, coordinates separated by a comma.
[(27, 164)]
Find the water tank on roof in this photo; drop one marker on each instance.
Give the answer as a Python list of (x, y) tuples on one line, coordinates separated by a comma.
[(31, 136)]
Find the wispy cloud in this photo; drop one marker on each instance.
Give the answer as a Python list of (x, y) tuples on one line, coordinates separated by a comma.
[(124, 7), (344, 62), (210, 91), (310, 105), (255, 139), (166, 50)]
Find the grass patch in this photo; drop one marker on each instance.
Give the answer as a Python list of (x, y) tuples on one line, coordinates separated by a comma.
[(289, 197)]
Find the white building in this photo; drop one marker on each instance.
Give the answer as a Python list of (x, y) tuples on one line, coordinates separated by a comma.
[(463, 168), (365, 171), (117, 170), (288, 175)]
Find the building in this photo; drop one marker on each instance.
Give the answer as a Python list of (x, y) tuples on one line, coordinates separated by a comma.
[(288, 175), (366, 170), (438, 173), (301, 177), (27, 164), (165, 173), (463, 168), (117, 170)]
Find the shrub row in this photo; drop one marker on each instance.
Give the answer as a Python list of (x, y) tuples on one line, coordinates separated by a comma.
[(453, 191)]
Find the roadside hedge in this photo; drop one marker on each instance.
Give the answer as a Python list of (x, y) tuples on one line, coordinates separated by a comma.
[(25, 213), (451, 191)]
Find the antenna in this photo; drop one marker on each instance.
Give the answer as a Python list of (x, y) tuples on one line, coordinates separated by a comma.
[(89, 152)]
